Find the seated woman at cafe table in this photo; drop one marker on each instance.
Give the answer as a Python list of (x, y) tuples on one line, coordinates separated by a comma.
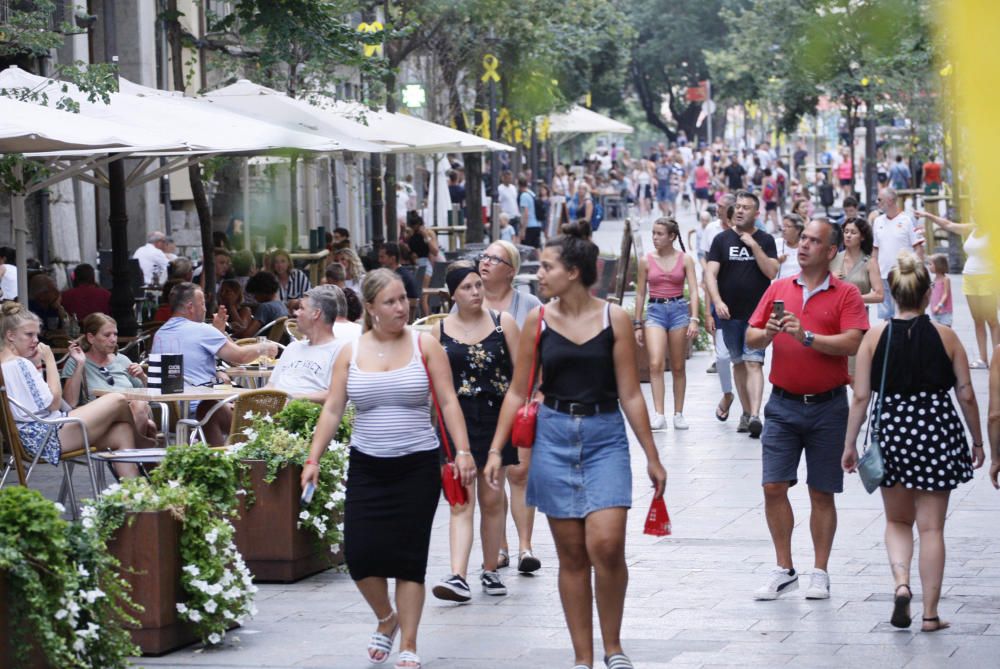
[(239, 317), (187, 333), (263, 286), (23, 359), (305, 366), (104, 369)]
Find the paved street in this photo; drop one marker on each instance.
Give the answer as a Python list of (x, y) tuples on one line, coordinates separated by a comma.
[(689, 601)]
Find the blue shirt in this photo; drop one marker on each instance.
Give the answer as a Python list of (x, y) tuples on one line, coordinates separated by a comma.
[(526, 200), (198, 342)]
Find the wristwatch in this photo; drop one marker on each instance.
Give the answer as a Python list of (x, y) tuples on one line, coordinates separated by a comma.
[(809, 337)]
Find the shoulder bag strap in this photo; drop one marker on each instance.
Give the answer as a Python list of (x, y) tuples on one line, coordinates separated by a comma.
[(437, 407), (534, 357), (876, 416)]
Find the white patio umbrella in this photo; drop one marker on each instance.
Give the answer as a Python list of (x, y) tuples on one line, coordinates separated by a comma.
[(580, 120)]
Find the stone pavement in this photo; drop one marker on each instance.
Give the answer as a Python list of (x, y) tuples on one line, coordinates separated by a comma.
[(689, 600)]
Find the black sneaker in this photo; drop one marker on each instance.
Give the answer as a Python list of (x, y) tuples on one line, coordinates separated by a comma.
[(453, 589), (528, 563), (755, 427), (492, 585)]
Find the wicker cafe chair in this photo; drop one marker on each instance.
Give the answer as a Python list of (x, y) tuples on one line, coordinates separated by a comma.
[(263, 402), (292, 330), (428, 322), (20, 461), (275, 330)]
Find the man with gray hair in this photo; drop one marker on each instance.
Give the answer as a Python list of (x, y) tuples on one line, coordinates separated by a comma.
[(304, 369), (152, 258)]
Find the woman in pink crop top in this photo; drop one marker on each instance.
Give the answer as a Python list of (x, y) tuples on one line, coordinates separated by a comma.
[(670, 318)]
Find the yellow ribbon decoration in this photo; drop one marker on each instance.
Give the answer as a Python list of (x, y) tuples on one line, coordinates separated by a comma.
[(504, 124), (373, 27), (483, 127), (543, 132), (490, 64)]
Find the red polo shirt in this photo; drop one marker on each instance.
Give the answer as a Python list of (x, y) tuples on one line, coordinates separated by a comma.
[(833, 310)]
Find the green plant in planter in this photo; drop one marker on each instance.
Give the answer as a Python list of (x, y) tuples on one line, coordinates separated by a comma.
[(199, 487), (284, 440), (64, 586)]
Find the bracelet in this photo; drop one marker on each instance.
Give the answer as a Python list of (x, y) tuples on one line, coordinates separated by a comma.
[(495, 452), (975, 445), (637, 322), (469, 453), (312, 462), (694, 319)]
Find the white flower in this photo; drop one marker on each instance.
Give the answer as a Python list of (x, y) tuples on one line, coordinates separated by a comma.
[(60, 508), (182, 608), (192, 569), (87, 523), (79, 645), (210, 607), (199, 584), (82, 571), (248, 415), (91, 595), (304, 515), (213, 590), (194, 615), (268, 419), (214, 638), (61, 613), (334, 548), (174, 484), (329, 505), (211, 536)]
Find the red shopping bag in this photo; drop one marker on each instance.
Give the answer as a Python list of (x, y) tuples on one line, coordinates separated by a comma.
[(657, 520)]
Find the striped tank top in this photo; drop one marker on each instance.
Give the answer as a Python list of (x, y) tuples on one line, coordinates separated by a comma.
[(393, 408)]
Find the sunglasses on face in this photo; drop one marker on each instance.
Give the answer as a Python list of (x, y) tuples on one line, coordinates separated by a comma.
[(494, 260), (106, 375)]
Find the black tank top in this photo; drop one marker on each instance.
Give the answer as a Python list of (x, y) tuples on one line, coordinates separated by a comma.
[(579, 372), (480, 369), (918, 361), (419, 245)]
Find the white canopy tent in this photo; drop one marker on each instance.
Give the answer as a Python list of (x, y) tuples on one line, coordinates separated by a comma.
[(580, 120)]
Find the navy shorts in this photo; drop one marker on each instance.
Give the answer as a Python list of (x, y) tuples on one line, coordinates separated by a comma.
[(734, 333), (791, 427)]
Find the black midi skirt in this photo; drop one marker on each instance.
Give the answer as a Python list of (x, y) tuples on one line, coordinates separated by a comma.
[(388, 513)]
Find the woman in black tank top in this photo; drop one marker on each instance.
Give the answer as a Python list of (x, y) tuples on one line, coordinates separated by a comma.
[(478, 342), (579, 469)]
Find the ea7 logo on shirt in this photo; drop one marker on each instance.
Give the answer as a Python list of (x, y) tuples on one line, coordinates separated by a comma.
[(739, 253)]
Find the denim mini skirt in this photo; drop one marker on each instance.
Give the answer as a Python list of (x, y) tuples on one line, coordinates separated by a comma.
[(579, 464)]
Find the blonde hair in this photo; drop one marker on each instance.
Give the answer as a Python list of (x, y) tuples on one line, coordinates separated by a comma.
[(357, 270), (91, 325), (14, 316), (909, 281), (375, 282), (513, 255)]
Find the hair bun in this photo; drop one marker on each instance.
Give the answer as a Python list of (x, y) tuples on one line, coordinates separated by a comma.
[(12, 308), (907, 262), (577, 229)]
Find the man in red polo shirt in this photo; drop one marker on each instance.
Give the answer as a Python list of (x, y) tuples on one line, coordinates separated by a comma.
[(824, 321)]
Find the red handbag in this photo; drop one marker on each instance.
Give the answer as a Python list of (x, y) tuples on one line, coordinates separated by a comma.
[(452, 487), (657, 520), (522, 434)]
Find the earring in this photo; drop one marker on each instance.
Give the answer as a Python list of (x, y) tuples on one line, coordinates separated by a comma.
[(377, 321)]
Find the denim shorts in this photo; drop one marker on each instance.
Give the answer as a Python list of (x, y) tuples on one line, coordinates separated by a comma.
[(791, 427), (670, 315), (579, 464), (665, 194), (734, 335)]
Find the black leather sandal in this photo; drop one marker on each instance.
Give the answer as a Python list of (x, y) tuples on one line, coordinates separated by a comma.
[(901, 608)]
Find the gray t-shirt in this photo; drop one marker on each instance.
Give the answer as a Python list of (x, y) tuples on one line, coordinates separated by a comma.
[(265, 312), (114, 377)]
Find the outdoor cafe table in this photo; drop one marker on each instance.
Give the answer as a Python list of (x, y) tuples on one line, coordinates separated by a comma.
[(252, 374), (190, 394)]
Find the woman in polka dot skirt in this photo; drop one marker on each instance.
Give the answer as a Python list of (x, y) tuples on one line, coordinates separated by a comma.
[(923, 440)]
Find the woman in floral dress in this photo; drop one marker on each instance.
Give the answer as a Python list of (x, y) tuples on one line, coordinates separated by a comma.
[(478, 342)]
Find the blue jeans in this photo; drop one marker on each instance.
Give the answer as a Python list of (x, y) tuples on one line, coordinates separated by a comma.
[(734, 335), (887, 309)]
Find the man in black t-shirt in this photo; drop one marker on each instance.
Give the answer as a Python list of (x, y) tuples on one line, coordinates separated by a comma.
[(742, 261), (735, 174)]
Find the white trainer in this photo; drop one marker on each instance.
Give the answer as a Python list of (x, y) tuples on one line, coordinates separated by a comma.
[(659, 422), (819, 585), (781, 581), (679, 422)]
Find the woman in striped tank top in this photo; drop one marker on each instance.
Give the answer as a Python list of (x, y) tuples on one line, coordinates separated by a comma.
[(393, 479), (671, 320)]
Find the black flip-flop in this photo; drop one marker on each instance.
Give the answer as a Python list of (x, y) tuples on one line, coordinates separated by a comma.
[(900, 608), (719, 413), (940, 625)]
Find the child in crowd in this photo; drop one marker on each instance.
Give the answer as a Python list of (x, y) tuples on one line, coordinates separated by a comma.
[(941, 305), (507, 232)]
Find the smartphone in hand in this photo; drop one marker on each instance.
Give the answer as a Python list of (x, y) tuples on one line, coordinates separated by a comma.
[(307, 494), (779, 309)]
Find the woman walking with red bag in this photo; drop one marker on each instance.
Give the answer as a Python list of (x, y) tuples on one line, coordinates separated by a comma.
[(478, 342), (580, 474), (394, 475)]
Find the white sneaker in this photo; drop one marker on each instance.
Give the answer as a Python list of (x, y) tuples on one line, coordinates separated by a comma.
[(659, 422), (819, 585), (782, 581), (679, 422)]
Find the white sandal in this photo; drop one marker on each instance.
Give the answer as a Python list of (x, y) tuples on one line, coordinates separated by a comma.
[(382, 643), (408, 656), (618, 661)]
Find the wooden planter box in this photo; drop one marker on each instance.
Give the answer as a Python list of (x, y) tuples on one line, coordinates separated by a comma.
[(148, 548), (642, 361), (273, 547), (36, 659)]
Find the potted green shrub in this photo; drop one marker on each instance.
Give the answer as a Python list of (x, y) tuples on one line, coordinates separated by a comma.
[(62, 602), (280, 540), (174, 536)]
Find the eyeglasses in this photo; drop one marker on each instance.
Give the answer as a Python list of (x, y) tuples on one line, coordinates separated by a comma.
[(494, 260), (106, 375)]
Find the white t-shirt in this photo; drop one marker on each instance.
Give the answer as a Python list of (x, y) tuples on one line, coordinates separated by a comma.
[(791, 265), (304, 368), (892, 236), (149, 258), (8, 283), (508, 200), (977, 254), (708, 235), (346, 331)]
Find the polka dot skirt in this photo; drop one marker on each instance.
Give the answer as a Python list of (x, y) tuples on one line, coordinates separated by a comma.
[(923, 442)]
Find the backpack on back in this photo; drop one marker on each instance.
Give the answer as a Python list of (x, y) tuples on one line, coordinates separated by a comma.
[(539, 209)]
